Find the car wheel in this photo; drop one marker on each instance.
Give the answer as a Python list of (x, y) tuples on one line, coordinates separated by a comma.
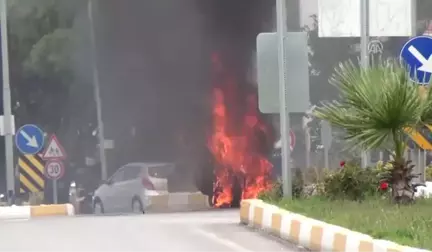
[(137, 206), (98, 208)]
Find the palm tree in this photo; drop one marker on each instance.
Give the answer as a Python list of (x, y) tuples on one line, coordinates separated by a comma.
[(378, 106)]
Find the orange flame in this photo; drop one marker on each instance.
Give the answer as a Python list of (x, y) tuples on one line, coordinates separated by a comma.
[(236, 148)]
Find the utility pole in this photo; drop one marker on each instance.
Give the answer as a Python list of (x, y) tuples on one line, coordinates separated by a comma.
[(284, 112), (96, 86), (7, 107), (364, 41)]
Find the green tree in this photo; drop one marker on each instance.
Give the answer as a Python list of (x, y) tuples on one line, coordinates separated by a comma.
[(44, 39), (376, 107)]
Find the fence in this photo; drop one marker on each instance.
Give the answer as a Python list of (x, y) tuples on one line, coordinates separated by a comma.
[(311, 151)]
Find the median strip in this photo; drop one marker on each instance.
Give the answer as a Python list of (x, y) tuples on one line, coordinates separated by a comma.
[(29, 212), (311, 233)]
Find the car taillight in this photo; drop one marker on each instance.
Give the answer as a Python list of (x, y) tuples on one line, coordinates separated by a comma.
[(147, 183)]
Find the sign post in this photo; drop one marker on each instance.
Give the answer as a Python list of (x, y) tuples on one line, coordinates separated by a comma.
[(326, 139), (29, 140), (284, 55), (54, 170)]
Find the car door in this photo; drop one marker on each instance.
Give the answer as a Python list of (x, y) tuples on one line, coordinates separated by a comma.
[(128, 187), (113, 193)]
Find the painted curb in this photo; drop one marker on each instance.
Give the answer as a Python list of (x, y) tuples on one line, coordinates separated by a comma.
[(28, 212), (310, 233), (178, 201)]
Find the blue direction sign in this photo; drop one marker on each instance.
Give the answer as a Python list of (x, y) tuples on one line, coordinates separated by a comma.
[(29, 139), (417, 55)]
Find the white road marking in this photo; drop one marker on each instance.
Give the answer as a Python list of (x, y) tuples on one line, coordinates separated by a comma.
[(230, 244), (198, 220), (15, 220)]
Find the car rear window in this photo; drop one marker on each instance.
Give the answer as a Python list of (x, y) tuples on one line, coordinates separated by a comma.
[(160, 171)]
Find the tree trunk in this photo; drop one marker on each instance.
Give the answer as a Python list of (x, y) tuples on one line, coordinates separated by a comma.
[(402, 192), (402, 189)]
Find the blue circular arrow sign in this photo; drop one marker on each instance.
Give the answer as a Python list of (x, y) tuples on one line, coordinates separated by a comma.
[(29, 139), (416, 54)]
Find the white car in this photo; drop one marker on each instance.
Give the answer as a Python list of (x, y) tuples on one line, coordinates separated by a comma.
[(129, 188)]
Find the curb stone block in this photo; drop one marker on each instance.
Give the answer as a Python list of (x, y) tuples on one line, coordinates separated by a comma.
[(178, 201), (310, 233), (28, 212)]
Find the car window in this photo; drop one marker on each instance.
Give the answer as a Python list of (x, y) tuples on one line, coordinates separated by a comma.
[(118, 176), (160, 171), (131, 172)]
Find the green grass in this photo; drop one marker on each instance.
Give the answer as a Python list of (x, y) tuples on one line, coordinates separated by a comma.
[(405, 225)]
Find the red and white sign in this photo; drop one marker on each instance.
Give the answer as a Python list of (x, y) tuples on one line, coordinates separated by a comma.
[(54, 150), (54, 169), (292, 139)]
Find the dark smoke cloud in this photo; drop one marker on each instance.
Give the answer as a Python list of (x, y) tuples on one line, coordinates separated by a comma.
[(154, 60)]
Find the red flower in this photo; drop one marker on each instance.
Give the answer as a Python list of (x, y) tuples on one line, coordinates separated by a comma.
[(384, 186), (342, 163)]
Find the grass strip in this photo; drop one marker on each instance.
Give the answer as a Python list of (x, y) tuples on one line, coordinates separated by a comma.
[(406, 225)]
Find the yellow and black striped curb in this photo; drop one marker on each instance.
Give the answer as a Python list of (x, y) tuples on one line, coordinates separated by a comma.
[(28, 212), (310, 233), (178, 201), (31, 173)]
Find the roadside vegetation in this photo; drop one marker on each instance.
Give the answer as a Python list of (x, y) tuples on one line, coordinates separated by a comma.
[(377, 108), (354, 198)]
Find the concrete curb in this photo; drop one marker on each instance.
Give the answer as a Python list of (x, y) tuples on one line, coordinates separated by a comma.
[(28, 212), (178, 201), (310, 233)]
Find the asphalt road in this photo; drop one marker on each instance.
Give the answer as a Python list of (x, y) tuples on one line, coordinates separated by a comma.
[(194, 231)]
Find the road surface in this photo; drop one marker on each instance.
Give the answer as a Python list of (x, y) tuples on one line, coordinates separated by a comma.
[(194, 231)]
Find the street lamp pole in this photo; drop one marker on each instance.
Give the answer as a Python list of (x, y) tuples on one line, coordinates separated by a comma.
[(364, 58), (96, 85), (7, 106)]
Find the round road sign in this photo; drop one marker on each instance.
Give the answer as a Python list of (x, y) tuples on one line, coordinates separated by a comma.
[(54, 169)]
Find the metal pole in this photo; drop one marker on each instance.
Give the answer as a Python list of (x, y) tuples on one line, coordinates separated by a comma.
[(284, 112), (326, 158), (101, 136), (364, 40), (7, 110), (414, 18), (424, 165), (55, 192), (308, 147), (419, 164)]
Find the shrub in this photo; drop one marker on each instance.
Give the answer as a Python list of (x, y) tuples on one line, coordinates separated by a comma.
[(276, 193), (351, 183), (297, 184), (428, 173)]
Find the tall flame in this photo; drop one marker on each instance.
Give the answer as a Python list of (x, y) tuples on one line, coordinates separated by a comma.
[(236, 140)]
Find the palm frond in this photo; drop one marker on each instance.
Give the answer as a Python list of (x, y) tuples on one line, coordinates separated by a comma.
[(426, 95), (376, 104)]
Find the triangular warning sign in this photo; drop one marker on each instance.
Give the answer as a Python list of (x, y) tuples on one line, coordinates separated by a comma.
[(54, 150)]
